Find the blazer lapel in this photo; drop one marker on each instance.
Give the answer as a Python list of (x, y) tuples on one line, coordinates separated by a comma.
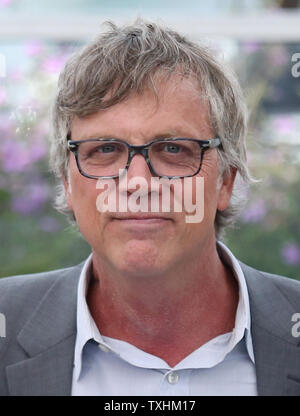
[(48, 340), (276, 351)]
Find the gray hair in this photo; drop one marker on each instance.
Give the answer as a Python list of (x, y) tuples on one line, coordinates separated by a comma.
[(124, 60)]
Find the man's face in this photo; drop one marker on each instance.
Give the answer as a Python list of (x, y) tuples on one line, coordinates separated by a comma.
[(148, 246)]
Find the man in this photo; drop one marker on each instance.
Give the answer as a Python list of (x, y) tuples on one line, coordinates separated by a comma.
[(161, 306)]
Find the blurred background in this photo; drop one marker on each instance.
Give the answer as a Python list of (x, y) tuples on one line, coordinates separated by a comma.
[(260, 39)]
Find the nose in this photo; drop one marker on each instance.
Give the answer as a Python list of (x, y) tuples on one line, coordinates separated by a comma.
[(138, 168)]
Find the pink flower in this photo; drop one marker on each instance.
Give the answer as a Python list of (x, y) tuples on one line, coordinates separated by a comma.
[(285, 125), (49, 224), (255, 212), (37, 150), (5, 2), (30, 199), (33, 48), (16, 75), (278, 56), (3, 96), (16, 156), (54, 65), (251, 47), (291, 254)]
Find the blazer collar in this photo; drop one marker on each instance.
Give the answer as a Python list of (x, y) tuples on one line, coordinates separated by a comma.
[(276, 350)]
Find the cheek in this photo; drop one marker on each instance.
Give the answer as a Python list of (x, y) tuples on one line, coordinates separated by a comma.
[(89, 221), (80, 186), (200, 194), (82, 195)]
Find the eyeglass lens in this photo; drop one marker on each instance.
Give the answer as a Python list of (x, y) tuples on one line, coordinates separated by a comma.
[(168, 158)]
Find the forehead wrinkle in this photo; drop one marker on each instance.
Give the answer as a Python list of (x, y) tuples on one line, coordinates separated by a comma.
[(161, 134), (145, 107)]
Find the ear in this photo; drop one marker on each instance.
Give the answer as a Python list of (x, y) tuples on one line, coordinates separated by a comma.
[(225, 191), (68, 192)]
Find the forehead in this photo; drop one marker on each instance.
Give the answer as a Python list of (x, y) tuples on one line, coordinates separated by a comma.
[(172, 107)]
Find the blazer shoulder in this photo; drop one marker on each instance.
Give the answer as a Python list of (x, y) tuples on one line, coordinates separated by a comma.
[(29, 289), (38, 311), (36, 279), (289, 287), (283, 281)]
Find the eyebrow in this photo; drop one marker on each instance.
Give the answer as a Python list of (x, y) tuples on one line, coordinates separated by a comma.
[(169, 135)]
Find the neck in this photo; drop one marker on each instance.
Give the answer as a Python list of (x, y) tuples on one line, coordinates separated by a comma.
[(167, 316)]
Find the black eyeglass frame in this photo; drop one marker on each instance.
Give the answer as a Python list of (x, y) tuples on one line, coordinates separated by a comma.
[(143, 150)]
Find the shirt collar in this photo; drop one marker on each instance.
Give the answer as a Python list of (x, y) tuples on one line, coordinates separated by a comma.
[(243, 318), (87, 329)]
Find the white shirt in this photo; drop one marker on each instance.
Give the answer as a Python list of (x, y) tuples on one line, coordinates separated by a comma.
[(105, 366)]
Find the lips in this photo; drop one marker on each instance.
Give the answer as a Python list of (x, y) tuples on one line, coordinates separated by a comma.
[(139, 217), (135, 222)]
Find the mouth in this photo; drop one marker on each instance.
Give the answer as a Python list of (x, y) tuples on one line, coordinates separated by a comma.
[(139, 220)]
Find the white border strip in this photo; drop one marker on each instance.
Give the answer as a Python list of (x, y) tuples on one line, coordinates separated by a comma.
[(271, 27)]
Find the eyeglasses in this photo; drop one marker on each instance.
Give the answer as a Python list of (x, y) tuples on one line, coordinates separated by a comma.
[(166, 158)]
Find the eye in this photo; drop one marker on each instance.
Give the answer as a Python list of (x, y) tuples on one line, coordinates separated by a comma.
[(106, 148), (172, 148)]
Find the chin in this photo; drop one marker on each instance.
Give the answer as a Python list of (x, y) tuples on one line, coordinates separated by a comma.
[(140, 258), (143, 273)]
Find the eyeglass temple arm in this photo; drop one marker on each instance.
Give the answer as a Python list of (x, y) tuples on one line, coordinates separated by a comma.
[(72, 146), (212, 143)]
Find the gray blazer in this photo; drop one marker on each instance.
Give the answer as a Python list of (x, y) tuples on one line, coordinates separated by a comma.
[(36, 356)]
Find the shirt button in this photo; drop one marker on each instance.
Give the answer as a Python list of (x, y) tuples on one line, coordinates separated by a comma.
[(173, 377), (103, 348)]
